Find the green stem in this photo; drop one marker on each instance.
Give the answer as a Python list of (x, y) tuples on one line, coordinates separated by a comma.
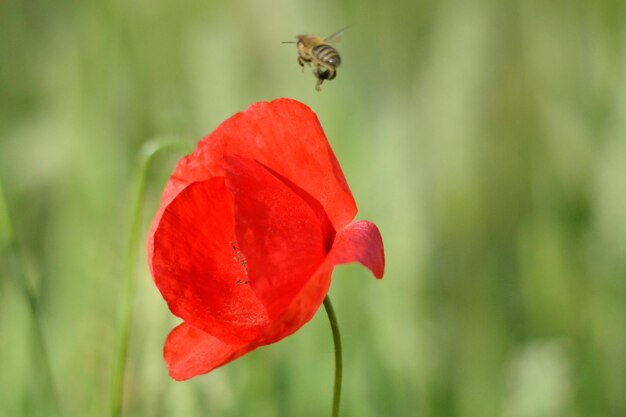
[(146, 156), (6, 230), (334, 325), (9, 241)]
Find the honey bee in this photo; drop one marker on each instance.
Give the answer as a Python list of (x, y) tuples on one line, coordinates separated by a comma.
[(320, 55)]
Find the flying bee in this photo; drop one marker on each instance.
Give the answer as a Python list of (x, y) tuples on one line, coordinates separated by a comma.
[(320, 55)]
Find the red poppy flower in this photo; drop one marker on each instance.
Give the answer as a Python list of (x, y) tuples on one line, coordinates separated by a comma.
[(250, 227)]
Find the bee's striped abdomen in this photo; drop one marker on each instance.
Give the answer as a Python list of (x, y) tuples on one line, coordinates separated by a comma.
[(327, 54)]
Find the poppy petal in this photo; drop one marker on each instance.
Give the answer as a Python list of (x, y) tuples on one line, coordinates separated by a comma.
[(190, 351), (327, 227), (278, 232), (196, 264), (300, 311), (360, 241), (284, 135)]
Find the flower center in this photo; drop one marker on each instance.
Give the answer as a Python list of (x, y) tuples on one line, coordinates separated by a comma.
[(240, 258)]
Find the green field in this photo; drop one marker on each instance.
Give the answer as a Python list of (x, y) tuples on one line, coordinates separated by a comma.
[(486, 139)]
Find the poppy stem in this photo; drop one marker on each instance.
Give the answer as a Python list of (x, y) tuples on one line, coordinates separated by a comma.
[(334, 325), (146, 156), (27, 281)]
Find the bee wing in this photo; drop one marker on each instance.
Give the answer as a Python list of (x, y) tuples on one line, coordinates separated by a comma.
[(336, 37)]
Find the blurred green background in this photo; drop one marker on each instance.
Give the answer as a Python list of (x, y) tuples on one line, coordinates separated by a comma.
[(486, 139)]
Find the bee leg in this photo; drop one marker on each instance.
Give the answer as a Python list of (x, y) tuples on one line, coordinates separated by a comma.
[(331, 74), (301, 62), (320, 78)]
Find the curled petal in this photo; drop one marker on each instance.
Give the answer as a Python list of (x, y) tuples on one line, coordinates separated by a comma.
[(360, 241)]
